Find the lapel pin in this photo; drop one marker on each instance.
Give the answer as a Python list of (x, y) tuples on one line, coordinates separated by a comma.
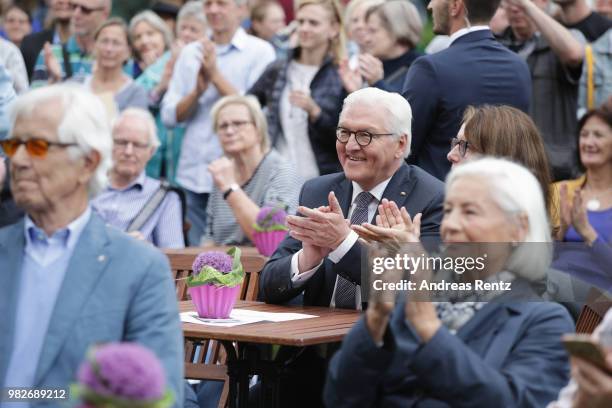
[(403, 193), (101, 258)]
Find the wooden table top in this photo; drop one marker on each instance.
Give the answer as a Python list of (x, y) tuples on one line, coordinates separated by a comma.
[(330, 326), (193, 250)]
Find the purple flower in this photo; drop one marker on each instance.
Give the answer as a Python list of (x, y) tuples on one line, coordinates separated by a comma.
[(215, 259), (124, 370), (269, 217)]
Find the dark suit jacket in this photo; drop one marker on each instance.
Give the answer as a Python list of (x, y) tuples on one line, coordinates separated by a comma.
[(508, 355), (409, 187), (31, 46), (474, 70)]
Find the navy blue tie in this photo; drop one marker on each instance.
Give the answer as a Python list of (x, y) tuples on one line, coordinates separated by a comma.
[(345, 289)]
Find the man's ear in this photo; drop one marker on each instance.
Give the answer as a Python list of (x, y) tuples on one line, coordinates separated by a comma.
[(456, 7), (91, 161), (403, 145)]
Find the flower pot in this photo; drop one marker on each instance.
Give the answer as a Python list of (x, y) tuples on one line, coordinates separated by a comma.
[(214, 302), (267, 242)]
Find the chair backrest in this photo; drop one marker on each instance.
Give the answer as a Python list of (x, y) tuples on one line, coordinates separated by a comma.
[(181, 267), (593, 311), (205, 360)]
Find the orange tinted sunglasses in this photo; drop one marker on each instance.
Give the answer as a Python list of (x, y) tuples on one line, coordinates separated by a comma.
[(35, 147)]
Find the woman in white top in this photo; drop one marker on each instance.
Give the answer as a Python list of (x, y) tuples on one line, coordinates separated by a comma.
[(111, 53), (303, 93)]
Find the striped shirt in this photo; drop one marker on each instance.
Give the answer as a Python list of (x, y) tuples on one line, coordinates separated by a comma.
[(118, 207), (274, 181)]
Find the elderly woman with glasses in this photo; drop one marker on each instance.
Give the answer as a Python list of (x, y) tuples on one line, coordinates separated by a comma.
[(248, 176), (478, 346)]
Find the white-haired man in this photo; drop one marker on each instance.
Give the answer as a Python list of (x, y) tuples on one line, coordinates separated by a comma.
[(228, 63), (322, 256), (133, 202), (67, 281)]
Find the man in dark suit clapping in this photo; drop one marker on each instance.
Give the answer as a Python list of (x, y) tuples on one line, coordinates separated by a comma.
[(322, 256), (474, 70)]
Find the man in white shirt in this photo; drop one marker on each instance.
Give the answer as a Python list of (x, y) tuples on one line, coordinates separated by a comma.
[(322, 256), (227, 63)]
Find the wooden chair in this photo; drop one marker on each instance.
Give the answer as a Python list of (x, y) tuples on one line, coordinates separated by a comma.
[(593, 311), (206, 360)]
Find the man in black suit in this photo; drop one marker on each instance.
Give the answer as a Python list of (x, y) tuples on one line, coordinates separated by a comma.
[(58, 34), (322, 256), (474, 70)]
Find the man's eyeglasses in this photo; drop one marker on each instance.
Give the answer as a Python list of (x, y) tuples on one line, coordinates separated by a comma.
[(123, 144), (234, 124), (84, 9), (35, 147), (362, 137), (463, 145)]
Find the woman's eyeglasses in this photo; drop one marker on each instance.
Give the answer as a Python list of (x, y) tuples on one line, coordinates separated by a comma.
[(35, 147), (463, 145), (235, 124)]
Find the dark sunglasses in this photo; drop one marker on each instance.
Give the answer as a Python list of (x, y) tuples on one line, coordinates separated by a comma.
[(84, 9), (35, 147)]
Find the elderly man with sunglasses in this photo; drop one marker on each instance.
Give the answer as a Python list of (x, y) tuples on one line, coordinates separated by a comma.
[(68, 281), (322, 256), (73, 60)]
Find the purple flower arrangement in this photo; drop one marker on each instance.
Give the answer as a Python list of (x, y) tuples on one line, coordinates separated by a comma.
[(270, 228), (271, 218), (122, 375), (215, 283)]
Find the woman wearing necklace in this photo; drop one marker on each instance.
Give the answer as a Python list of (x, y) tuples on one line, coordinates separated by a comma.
[(586, 203)]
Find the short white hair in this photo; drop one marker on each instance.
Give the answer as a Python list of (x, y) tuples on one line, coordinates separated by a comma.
[(145, 117), (192, 9), (84, 121), (399, 117), (517, 192)]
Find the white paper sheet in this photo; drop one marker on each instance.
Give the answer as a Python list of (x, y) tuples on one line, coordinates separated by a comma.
[(243, 316)]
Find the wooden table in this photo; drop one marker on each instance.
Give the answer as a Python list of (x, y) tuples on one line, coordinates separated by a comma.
[(329, 326)]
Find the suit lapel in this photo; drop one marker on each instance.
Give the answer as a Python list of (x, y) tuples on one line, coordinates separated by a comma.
[(85, 268), (12, 244), (344, 193), (400, 187)]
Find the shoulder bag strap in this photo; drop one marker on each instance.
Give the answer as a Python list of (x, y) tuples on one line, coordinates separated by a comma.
[(149, 208)]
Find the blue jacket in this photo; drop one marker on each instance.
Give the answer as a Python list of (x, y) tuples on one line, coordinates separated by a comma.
[(474, 70), (115, 289), (508, 355)]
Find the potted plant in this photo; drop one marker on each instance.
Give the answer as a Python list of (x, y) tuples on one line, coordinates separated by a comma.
[(215, 283), (270, 229)]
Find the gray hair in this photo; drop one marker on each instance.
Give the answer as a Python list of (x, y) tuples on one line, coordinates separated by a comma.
[(401, 18), (192, 9), (399, 117), (145, 117), (517, 192), (254, 108), (84, 122), (154, 21)]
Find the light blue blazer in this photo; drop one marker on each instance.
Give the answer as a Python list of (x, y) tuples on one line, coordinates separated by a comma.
[(116, 289)]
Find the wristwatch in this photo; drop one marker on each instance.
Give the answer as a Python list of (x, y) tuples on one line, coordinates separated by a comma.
[(233, 187)]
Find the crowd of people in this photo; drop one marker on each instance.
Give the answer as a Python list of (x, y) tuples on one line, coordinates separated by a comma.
[(379, 125)]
